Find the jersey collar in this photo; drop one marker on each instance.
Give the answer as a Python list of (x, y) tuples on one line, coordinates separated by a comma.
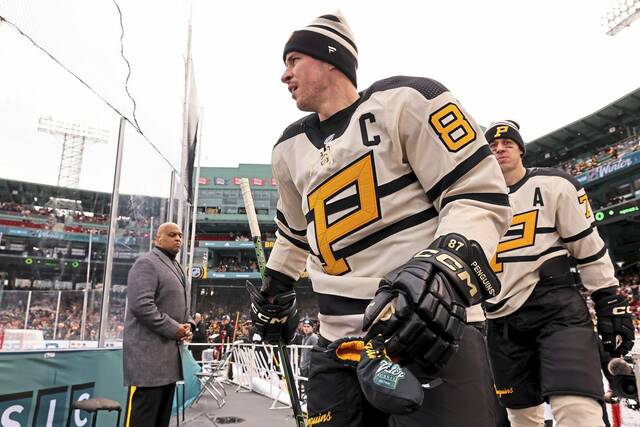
[(515, 187), (318, 131)]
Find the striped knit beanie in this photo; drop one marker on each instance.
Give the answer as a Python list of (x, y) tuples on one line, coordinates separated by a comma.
[(328, 38), (508, 129)]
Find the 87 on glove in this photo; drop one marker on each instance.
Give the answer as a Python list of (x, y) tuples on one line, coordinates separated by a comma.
[(420, 307)]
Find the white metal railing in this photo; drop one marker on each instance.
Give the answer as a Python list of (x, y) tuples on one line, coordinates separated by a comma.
[(256, 367)]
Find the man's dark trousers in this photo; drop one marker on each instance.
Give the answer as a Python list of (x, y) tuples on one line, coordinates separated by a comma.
[(149, 406)]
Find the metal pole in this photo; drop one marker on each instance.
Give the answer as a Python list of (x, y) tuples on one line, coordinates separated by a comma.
[(185, 130), (151, 235), (108, 264), (55, 325), (86, 289), (26, 315), (186, 237), (172, 195), (196, 188)]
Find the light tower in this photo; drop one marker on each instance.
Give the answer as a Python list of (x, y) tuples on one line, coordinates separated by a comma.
[(76, 135)]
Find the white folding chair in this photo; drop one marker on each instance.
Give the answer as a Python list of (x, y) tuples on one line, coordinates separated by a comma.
[(212, 372)]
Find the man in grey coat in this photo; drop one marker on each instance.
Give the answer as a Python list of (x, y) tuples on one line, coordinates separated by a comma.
[(157, 322)]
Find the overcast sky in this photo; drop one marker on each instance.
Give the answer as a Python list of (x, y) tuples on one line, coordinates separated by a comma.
[(544, 63)]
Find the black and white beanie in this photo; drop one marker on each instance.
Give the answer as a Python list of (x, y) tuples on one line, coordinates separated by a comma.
[(509, 129), (328, 38)]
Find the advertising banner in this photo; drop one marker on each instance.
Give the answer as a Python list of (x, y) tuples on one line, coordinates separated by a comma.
[(602, 171), (38, 386)]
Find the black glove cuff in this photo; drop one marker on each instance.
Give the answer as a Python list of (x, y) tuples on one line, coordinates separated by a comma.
[(276, 283), (465, 266), (274, 321), (602, 296), (472, 256)]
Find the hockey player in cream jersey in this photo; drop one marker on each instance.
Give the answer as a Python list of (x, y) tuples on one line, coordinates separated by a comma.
[(366, 184), (540, 335)]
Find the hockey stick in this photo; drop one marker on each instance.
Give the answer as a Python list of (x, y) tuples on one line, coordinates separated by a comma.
[(282, 348)]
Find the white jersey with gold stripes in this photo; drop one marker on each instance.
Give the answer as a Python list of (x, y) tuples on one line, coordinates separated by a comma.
[(552, 218), (363, 191)]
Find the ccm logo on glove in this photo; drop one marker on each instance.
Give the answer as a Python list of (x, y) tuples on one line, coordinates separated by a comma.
[(453, 265), (618, 311), (270, 320)]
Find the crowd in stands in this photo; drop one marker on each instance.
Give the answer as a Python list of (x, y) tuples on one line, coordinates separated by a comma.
[(42, 315), (603, 156), (232, 264), (49, 218), (614, 196), (611, 201), (233, 303), (307, 305), (11, 207), (12, 317), (234, 237), (222, 328), (224, 307), (72, 222)]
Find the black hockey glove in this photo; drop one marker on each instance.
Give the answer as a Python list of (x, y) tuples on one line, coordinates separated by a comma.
[(615, 324), (420, 307), (273, 308)]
